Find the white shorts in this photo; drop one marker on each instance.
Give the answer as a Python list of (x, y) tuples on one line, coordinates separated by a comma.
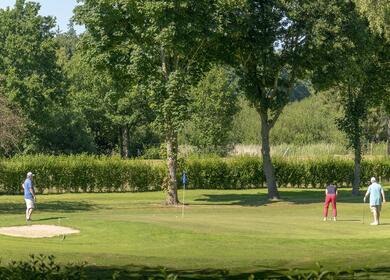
[(29, 203)]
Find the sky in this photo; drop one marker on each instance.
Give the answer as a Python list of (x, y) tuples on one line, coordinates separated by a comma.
[(61, 9)]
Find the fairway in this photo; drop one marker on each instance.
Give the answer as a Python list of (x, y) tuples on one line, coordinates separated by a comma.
[(238, 230)]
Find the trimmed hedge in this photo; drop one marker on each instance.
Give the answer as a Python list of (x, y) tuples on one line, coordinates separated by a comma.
[(81, 174), (57, 174)]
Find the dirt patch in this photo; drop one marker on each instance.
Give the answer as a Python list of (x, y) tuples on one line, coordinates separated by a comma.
[(37, 231)]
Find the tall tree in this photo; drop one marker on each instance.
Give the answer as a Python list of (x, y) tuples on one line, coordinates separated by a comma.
[(158, 45), (31, 79), (378, 15), (353, 71), (113, 113), (273, 44)]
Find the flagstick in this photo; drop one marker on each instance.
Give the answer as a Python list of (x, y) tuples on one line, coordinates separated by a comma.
[(184, 181), (182, 208)]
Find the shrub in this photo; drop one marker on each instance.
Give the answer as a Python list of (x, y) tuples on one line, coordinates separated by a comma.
[(41, 267), (103, 174)]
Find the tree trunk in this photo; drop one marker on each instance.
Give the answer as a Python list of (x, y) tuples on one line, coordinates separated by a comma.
[(356, 170), (120, 138), (172, 149), (126, 142), (268, 168), (388, 135)]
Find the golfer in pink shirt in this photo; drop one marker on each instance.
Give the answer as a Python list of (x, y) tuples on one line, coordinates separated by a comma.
[(331, 196)]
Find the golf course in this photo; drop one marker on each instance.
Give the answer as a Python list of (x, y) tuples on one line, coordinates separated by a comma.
[(235, 230)]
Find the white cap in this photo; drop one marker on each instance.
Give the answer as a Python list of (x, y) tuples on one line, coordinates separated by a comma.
[(30, 174), (373, 180)]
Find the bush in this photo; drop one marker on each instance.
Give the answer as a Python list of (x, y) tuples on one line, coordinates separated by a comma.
[(41, 267), (103, 174), (81, 174)]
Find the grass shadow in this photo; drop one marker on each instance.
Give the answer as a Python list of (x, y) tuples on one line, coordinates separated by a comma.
[(48, 219), (52, 206), (295, 197)]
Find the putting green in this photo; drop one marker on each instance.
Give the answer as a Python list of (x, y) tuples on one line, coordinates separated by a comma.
[(234, 229)]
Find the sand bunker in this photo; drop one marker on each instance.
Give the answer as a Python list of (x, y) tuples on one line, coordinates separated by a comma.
[(37, 231)]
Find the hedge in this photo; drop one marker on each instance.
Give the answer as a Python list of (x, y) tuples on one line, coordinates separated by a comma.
[(57, 174)]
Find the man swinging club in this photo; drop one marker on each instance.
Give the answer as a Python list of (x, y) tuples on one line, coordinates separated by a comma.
[(377, 197), (29, 195)]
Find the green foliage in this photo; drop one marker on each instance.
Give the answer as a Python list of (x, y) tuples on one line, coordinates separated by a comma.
[(158, 48), (355, 75), (273, 44), (246, 125), (378, 15), (296, 126), (32, 78), (162, 51), (81, 174), (29, 75), (12, 127), (89, 174), (213, 107), (42, 267), (155, 152), (307, 122), (45, 268)]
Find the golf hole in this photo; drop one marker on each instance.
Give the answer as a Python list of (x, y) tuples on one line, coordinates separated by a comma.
[(37, 231)]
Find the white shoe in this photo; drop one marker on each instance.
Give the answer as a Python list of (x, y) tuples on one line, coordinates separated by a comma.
[(324, 219), (374, 224), (334, 219)]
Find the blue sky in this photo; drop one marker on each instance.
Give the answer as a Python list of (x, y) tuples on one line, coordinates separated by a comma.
[(61, 9)]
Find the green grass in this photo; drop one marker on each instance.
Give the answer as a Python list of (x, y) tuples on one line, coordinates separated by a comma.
[(238, 230)]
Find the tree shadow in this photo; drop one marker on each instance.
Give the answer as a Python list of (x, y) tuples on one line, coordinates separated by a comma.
[(295, 197), (146, 272), (235, 199), (52, 206)]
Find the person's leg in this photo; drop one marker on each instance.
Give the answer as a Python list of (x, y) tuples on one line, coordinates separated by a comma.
[(378, 211), (27, 207), (375, 215), (30, 208), (30, 212), (334, 209), (326, 206)]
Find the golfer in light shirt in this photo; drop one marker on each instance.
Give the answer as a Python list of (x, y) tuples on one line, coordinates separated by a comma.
[(377, 198), (29, 195)]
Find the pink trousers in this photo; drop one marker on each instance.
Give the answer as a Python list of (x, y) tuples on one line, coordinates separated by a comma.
[(330, 198)]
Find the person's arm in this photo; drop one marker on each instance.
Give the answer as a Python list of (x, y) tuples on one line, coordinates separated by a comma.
[(336, 192), (326, 191), (32, 191), (365, 196)]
